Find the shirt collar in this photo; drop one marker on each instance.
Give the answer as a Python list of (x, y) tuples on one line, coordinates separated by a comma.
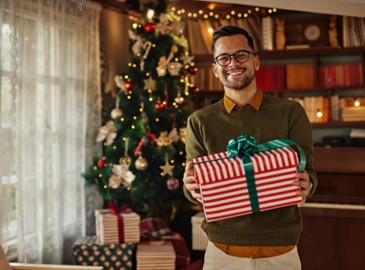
[(255, 102)]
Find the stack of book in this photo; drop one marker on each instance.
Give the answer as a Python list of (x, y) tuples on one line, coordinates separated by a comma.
[(357, 137), (350, 112), (157, 255)]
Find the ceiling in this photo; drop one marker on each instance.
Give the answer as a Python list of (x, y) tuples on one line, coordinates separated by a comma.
[(354, 8)]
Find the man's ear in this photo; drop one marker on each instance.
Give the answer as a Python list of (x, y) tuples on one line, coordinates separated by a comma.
[(257, 62), (214, 68)]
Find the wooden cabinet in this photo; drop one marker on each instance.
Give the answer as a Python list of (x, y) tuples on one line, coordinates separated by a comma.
[(334, 218)]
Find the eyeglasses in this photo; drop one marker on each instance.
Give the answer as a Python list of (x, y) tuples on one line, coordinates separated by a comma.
[(225, 59)]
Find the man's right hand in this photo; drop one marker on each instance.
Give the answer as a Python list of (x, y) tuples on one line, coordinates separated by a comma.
[(190, 183)]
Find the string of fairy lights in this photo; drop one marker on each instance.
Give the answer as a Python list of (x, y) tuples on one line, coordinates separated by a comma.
[(211, 13)]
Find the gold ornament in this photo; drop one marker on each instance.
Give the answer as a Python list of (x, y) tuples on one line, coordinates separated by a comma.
[(174, 68), (141, 163), (174, 48), (125, 160), (116, 113)]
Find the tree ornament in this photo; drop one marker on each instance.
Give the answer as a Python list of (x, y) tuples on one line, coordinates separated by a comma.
[(125, 160), (116, 113), (172, 183), (120, 83), (179, 99), (128, 85), (195, 90), (174, 48), (192, 70), (149, 27), (126, 177), (141, 163), (108, 132), (174, 68), (167, 168), (159, 105), (101, 163)]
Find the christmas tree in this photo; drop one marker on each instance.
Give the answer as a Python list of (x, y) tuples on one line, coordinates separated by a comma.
[(144, 140)]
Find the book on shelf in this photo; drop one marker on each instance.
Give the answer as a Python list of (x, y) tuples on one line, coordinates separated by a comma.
[(299, 76), (335, 108), (340, 75), (316, 108), (353, 29), (271, 77), (268, 33), (357, 133)]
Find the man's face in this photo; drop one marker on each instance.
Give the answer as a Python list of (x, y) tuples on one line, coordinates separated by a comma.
[(236, 75)]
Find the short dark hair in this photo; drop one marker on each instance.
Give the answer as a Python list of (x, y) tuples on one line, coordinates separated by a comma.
[(230, 30)]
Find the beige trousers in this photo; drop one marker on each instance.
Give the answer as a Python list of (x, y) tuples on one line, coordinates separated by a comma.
[(216, 259)]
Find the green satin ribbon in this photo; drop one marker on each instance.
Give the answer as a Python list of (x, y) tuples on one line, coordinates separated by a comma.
[(244, 146)]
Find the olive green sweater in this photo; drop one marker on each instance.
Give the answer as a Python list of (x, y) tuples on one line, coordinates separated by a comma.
[(209, 130)]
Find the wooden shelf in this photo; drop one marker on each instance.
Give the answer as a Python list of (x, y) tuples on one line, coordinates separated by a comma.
[(300, 53)]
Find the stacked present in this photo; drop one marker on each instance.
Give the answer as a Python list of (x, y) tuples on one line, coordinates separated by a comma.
[(199, 237), (87, 251), (120, 227), (249, 178), (159, 255)]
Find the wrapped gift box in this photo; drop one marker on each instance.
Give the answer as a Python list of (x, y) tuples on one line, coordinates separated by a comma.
[(259, 181), (200, 239), (87, 251), (159, 255), (117, 228)]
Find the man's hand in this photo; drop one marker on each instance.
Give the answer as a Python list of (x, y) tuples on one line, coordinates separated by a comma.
[(189, 182), (303, 183)]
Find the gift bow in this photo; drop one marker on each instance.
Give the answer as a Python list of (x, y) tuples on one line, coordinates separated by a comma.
[(116, 210), (244, 146)]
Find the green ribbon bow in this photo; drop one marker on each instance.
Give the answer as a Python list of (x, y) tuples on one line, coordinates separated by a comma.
[(244, 146)]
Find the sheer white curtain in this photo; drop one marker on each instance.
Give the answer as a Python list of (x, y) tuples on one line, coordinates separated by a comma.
[(50, 105)]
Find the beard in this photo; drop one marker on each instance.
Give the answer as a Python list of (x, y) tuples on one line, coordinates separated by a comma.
[(239, 83)]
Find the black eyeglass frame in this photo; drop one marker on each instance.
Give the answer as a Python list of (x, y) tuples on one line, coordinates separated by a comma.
[(235, 57)]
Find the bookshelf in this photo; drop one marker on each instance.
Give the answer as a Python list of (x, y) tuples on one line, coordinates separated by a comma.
[(291, 80)]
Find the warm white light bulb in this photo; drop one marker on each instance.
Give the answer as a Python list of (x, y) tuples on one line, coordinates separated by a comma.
[(356, 103), (319, 113), (150, 14)]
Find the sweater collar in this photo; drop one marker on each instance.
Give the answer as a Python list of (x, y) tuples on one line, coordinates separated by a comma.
[(255, 102)]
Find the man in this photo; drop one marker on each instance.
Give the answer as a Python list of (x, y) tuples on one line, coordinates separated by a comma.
[(265, 240)]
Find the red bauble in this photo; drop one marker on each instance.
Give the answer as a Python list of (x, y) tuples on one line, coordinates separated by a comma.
[(192, 70), (195, 90), (159, 105), (101, 162), (172, 183), (128, 85), (149, 27)]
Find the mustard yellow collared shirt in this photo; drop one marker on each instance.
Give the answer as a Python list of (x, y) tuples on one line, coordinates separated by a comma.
[(255, 102)]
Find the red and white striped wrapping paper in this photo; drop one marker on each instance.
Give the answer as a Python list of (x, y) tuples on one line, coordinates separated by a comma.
[(223, 184)]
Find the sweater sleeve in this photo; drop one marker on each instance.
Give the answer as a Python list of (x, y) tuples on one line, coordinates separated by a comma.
[(194, 146), (300, 132)]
